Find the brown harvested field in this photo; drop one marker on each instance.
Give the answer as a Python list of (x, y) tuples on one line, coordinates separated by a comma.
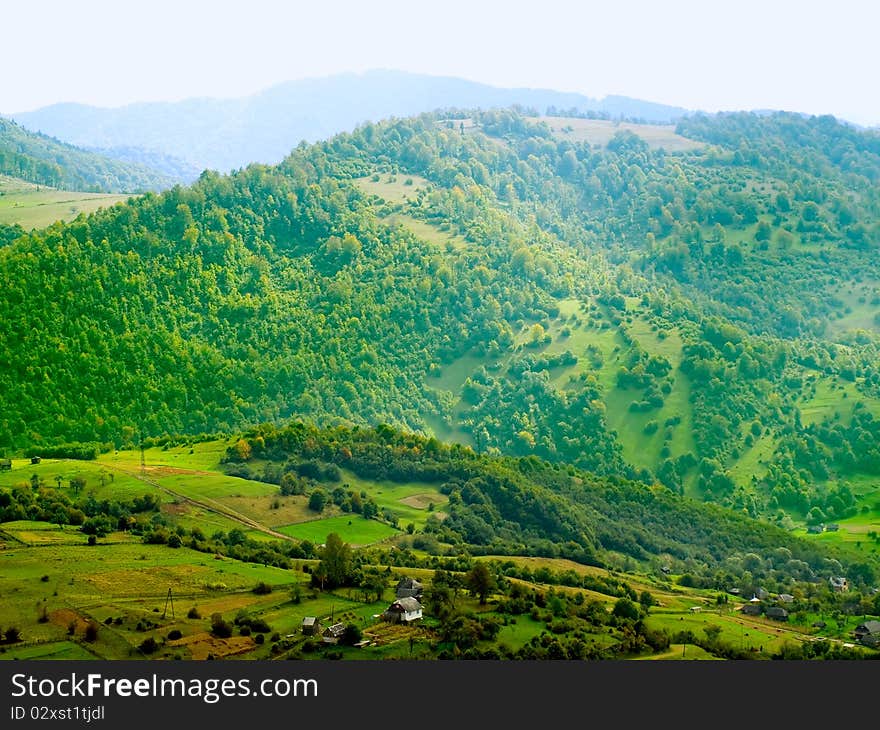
[(420, 501), (600, 131), (64, 616), (202, 644)]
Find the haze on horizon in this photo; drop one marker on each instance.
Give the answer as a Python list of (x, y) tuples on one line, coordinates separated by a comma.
[(810, 57)]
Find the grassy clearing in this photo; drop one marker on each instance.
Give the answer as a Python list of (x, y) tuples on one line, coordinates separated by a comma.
[(392, 188), (37, 206), (353, 529), (427, 232), (600, 131)]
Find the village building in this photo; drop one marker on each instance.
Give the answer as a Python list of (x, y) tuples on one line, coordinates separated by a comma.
[(311, 626), (752, 609), (777, 613), (868, 633), (838, 583), (786, 597), (332, 634), (403, 610), (408, 588)]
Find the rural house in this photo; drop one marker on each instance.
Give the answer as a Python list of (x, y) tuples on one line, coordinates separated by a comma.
[(332, 634), (752, 609), (838, 583), (777, 613), (786, 597), (408, 588), (36, 459), (868, 633), (403, 610), (311, 626)]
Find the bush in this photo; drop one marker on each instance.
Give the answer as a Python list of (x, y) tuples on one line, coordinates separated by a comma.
[(220, 628), (12, 634), (262, 588), (175, 634), (148, 645), (91, 634), (193, 613)]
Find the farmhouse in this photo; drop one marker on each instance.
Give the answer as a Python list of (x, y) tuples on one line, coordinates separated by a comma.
[(786, 598), (868, 633), (5, 464), (695, 609), (403, 610), (36, 459), (838, 583), (833, 527), (777, 613), (409, 588), (311, 626), (332, 634), (815, 529), (752, 609)]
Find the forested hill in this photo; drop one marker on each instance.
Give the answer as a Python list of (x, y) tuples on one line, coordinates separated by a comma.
[(696, 307), (43, 160), (510, 506)]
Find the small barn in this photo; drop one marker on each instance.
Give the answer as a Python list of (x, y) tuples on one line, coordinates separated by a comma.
[(36, 459), (408, 588), (332, 634), (838, 583), (752, 609), (403, 610), (777, 613), (311, 626)]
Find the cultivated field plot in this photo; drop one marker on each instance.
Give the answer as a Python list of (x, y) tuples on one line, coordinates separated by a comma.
[(37, 206), (393, 188), (600, 131)]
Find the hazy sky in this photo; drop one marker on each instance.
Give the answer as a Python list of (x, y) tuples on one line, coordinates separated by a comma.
[(816, 57)]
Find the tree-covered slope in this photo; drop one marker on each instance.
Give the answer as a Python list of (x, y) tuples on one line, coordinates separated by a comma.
[(681, 318), (39, 159)]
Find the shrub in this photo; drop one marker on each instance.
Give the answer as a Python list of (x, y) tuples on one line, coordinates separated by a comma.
[(148, 645), (193, 613), (262, 588), (91, 634), (174, 634)]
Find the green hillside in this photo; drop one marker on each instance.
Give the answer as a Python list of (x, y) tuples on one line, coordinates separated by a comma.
[(42, 160), (695, 315)]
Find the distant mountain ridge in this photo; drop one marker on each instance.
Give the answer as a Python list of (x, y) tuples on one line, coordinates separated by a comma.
[(225, 134)]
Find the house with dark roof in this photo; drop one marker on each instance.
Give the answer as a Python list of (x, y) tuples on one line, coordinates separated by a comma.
[(408, 588), (777, 613), (332, 634), (752, 609), (403, 610), (868, 633)]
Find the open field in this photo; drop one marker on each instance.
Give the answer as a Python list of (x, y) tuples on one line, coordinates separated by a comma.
[(37, 206), (353, 529), (600, 131), (392, 188)]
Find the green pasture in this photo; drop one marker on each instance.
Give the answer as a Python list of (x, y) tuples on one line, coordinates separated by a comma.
[(392, 187), (600, 131), (37, 206), (51, 650), (353, 529)]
